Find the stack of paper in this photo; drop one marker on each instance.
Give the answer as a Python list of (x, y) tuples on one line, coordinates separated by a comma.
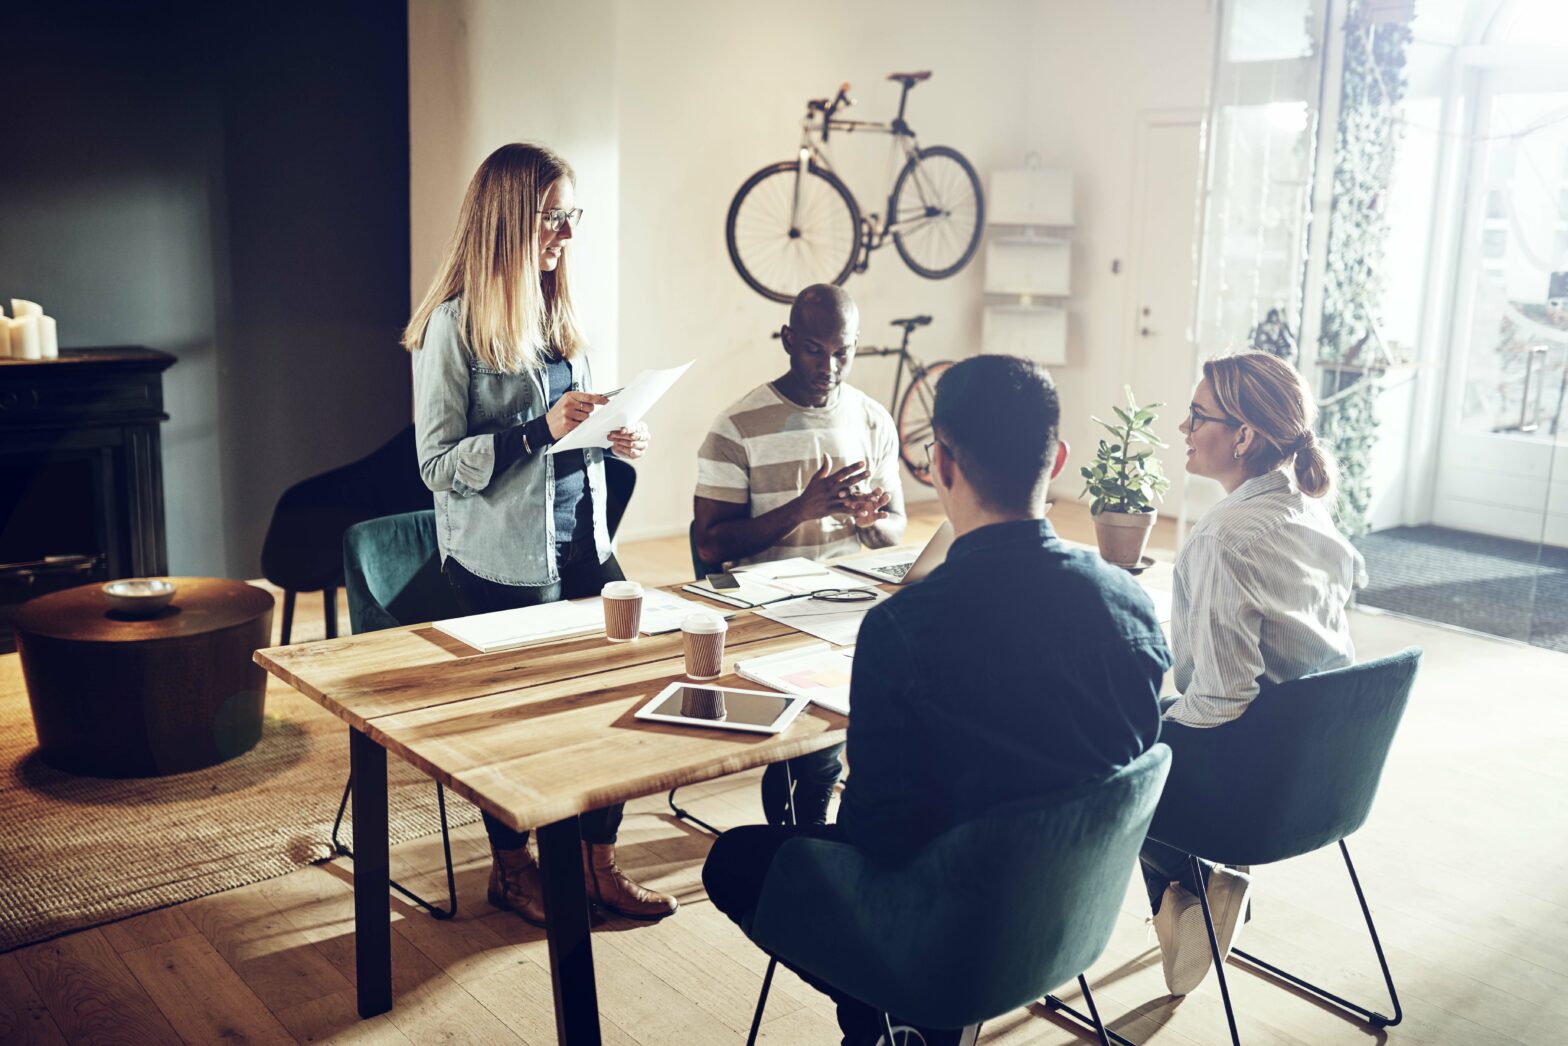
[(816, 671), (527, 626), (838, 623), (763, 583)]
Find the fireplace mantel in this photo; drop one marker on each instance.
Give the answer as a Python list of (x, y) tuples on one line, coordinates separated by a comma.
[(81, 471)]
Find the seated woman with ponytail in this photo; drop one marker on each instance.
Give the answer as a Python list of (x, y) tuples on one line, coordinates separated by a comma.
[(1263, 584)]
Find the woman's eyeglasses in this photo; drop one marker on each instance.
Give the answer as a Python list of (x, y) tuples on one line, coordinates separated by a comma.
[(556, 217), (1196, 418)]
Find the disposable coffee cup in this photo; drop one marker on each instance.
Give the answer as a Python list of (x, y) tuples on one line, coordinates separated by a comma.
[(703, 637), (622, 610)]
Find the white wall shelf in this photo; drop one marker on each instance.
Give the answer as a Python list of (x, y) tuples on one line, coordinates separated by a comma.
[(1036, 332), (1028, 258)]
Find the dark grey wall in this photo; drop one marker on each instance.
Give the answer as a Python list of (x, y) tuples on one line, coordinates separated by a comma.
[(229, 185)]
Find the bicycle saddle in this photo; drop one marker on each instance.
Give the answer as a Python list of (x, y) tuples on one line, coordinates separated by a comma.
[(910, 79), (910, 323)]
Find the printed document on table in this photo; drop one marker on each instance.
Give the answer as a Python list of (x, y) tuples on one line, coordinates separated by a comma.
[(818, 671), (627, 408), (838, 623), (800, 575), (765, 583), (526, 626)]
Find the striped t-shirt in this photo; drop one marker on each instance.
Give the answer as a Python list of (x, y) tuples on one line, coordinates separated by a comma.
[(764, 449)]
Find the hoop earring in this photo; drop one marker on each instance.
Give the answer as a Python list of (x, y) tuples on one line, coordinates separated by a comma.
[(1236, 454)]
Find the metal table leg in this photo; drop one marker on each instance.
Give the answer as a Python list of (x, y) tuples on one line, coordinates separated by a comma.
[(372, 902), (571, 953)]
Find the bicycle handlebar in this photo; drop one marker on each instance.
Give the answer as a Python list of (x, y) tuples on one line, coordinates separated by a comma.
[(911, 322)]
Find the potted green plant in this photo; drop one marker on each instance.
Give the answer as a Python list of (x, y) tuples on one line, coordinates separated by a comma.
[(1124, 482)]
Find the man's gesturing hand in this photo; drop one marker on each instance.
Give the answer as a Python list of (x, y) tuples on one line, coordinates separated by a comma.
[(828, 493)]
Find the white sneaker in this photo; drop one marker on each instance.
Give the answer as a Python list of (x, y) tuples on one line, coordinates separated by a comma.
[(1184, 940), (1227, 889)]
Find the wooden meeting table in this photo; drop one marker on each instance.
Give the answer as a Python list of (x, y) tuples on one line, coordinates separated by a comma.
[(535, 737)]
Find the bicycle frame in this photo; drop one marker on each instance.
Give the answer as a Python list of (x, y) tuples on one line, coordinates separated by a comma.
[(818, 123), (905, 360)]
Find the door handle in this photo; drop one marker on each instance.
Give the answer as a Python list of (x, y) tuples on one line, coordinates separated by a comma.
[(1524, 396)]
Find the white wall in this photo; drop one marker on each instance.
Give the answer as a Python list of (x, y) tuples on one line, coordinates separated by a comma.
[(481, 75), (664, 109), (1094, 69)]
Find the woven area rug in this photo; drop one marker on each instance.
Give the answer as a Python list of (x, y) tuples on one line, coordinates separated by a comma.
[(1514, 589), (80, 851)]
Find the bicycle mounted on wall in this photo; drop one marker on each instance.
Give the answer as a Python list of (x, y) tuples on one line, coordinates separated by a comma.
[(796, 223)]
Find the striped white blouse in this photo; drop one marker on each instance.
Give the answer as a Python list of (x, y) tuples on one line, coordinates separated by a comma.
[(1262, 587)]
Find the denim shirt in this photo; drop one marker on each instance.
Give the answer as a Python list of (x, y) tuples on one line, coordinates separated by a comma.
[(498, 523), (1018, 668)]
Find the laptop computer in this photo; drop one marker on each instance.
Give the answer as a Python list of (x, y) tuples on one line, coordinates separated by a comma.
[(901, 566)]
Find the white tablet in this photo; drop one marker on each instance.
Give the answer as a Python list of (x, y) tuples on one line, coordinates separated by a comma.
[(694, 704)]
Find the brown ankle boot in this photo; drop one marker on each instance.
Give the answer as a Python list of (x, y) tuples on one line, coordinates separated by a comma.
[(515, 884), (609, 888)]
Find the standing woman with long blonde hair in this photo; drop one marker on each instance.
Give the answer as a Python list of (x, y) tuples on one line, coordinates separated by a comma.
[(1262, 596), (500, 373)]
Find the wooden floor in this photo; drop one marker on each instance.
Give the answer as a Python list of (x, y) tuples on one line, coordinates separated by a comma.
[(1464, 863)]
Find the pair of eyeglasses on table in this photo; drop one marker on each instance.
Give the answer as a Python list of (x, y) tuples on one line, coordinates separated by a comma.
[(830, 595)]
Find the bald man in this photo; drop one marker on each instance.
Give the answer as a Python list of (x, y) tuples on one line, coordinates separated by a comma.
[(804, 465)]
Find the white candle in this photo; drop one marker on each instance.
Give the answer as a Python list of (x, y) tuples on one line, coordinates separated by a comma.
[(24, 338), (48, 338), (22, 309), (5, 337)]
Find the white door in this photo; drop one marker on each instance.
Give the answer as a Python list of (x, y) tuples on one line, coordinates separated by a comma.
[(1505, 418), (1163, 362)]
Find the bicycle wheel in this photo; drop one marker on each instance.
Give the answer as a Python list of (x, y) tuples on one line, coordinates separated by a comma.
[(777, 254), (914, 421), (938, 211)]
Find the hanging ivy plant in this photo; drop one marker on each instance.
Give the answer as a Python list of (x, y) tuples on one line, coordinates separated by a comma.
[(1368, 135)]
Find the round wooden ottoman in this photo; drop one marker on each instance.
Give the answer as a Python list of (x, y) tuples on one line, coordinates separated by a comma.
[(121, 696)]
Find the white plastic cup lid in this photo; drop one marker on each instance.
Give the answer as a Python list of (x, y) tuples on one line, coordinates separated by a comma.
[(704, 624), (621, 590)]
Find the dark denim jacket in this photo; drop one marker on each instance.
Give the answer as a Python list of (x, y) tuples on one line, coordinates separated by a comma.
[(500, 524), (1018, 668)]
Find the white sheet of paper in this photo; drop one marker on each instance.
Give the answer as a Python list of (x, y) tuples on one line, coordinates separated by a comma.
[(838, 623), (525, 626), (801, 575), (627, 407)]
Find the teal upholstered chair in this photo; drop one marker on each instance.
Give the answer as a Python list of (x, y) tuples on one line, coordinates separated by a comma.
[(1297, 772), (392, 574), (987, 918)]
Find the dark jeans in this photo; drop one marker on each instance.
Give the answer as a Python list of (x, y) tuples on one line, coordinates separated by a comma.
[(814, 776), (581, 575), (733, 875), (1162, 865)]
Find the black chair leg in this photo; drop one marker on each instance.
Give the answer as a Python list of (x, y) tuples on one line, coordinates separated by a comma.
[(1214, 947), (1090, 1020), (446, 847), (288, 614), (687, 815), (329, 610), (1371, 1017), (767, 978)]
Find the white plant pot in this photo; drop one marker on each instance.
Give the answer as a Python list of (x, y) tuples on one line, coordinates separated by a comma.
[(1123, 536)]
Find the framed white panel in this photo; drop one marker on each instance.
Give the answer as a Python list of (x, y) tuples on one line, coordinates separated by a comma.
[(1030, 197), (1032, 265), (1036, 332)]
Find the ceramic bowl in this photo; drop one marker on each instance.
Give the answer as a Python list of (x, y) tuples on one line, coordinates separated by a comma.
[(138, 595)]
